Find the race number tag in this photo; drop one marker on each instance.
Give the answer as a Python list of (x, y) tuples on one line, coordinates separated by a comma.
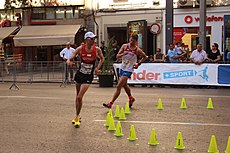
[(86, 68)]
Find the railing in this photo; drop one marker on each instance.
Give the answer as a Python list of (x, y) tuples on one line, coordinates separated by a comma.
[(34, 71)]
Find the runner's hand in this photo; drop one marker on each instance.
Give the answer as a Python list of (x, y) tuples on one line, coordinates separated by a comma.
[(96, 70), (135, 66)]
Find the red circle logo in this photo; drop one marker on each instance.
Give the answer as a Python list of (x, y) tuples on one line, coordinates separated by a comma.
[(188, 19)]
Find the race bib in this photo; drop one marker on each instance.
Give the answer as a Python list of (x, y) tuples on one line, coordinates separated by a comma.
[(86, 68)]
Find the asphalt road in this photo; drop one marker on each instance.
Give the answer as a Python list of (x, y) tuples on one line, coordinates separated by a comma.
[(37, 119)]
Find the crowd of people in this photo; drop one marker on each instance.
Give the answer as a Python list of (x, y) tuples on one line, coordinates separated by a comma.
[(179, 54)]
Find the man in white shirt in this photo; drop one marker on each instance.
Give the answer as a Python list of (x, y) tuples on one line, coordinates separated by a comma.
[(65, 55), (198, 56)]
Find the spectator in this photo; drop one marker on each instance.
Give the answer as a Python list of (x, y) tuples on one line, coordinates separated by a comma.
[(65, 54), (172, 54), (180, 49), (228, 56), (103, 47), (188, 54), (159, 57), (214, 55), (115, 50), (150, 59), (198, 56)]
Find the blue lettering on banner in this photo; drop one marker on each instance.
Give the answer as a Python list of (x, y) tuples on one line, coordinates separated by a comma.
[(224, 74), (179, 74)]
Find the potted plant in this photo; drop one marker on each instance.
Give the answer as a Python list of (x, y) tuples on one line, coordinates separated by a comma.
[(106, 73)]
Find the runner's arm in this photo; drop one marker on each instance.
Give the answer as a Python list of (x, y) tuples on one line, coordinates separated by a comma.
[(74, 54), (143, 56), (101, 57), (121, 51)]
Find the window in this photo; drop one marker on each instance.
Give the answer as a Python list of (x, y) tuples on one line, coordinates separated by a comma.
[(50, 13), (60, 13), (38, 14)]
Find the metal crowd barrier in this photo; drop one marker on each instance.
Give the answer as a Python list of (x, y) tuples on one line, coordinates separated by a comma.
[(35, 71)]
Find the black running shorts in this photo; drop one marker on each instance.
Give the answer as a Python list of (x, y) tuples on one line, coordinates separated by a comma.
[(83, 78)]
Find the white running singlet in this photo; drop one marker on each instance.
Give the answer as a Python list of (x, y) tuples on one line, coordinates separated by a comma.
[(129, 59)]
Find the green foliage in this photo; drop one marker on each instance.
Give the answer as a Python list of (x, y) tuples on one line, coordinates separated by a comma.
[(107, 67)]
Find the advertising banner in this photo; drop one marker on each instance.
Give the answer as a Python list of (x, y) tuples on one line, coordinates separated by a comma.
[(190, 74)]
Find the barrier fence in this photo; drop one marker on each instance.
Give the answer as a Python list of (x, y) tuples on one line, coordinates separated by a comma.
[(35, 71)]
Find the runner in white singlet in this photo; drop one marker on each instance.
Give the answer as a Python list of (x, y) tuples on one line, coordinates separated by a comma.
[(128, 54)]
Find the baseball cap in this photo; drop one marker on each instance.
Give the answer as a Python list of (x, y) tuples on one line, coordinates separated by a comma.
[(89, 35)]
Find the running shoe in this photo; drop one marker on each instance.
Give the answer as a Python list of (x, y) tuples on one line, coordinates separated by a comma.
[(77, 121), (131, 101), (108, 105)]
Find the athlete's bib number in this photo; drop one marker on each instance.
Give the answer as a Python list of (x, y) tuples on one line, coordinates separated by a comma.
[(86, 68)]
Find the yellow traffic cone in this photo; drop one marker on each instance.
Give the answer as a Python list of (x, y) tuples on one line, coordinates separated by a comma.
[(210, 106), (108, 117), (118, 132), (213, 146), (153, 139), (111, 124), (159, 105), (117, 112), (228, 146), (127, 109), (179, 141), (122, 115), (111, 112), (183, 104), (132, 133)]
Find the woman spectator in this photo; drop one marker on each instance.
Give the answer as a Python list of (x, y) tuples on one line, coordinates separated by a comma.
[(158, 57), (214, 55)]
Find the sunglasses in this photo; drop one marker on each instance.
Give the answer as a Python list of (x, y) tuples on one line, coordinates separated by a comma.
[(213, 46), (91, 38)]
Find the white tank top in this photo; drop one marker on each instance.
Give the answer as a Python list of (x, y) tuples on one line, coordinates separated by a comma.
[(129, 59)]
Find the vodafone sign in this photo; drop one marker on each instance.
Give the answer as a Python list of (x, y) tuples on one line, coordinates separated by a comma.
[(189, 19)]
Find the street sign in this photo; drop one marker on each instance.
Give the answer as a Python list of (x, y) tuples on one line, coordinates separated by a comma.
[(155, 28)]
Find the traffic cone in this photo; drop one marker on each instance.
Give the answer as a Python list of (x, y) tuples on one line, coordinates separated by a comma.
[(210, 106), (127, 109), (111, 112), (117, 112), (183, 104), (111, 124), (213, 146), (153, 139), (122, 115), (132, 133), (228, 146), (108, 117), (118, 132), (159, 105), (179, 141)]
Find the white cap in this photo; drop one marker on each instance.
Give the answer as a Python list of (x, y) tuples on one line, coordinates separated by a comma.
[(89, 35)]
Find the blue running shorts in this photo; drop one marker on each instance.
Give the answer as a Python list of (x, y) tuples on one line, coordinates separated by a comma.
[(125, 73)]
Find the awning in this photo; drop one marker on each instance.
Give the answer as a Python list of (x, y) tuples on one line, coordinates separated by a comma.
[(5, 32), (46, 35)]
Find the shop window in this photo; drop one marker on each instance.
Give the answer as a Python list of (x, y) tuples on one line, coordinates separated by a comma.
[(38, 14), (76, 13), (60, 13), (69, 13), (50, 13)]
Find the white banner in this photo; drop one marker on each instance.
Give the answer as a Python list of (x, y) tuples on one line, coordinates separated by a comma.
[(168, 73)]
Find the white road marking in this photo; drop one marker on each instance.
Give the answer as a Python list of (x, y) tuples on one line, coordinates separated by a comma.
[(26, 97), (173, 123), (206, 96)]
